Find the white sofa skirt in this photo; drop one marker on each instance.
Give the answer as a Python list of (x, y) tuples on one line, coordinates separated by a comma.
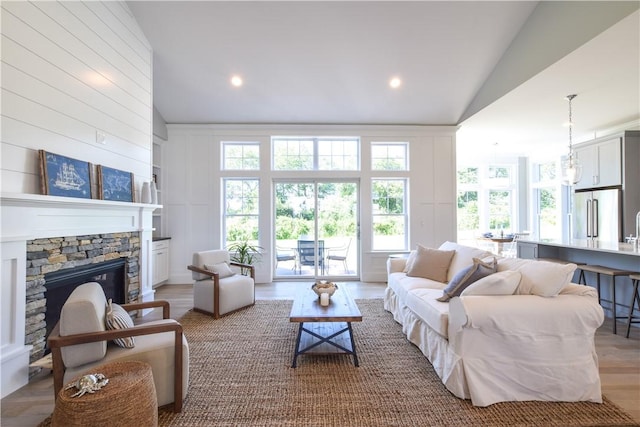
[(434, 346)]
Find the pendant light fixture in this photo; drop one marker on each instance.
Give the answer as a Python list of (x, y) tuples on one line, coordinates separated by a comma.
[(571, 166)]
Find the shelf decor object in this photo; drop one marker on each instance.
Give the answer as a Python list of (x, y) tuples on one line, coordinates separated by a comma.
[(571, 166), (115, 185), (64, 176)]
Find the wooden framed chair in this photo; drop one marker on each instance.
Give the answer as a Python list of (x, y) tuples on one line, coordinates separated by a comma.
[(79, 344), (217, 289)]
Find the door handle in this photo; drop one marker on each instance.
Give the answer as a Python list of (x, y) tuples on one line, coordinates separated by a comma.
[(589, 219), (595, 217)]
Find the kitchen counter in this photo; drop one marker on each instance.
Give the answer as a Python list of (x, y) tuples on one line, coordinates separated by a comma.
[(588, 244)]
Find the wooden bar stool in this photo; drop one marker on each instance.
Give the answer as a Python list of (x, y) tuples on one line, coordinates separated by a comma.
[(635, 279), (607, 271)]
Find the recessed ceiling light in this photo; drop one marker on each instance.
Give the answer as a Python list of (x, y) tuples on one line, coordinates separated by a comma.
[(395, 82), (236, 81)]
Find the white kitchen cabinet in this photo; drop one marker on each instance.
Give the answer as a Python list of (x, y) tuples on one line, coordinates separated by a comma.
[(601, 164), (160, 260)]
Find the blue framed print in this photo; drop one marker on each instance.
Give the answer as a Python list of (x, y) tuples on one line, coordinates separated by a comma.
[(114, 184), (64, 176)]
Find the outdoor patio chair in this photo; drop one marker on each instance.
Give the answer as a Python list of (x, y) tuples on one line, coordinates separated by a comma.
[(339, 254), (307, 255)]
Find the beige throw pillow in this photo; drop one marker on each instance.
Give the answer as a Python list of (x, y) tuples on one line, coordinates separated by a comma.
[(431, 264), (222, 268), (117, 318)]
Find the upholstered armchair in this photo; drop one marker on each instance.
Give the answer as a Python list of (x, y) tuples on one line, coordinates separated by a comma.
[(217, 289), (81, 341)]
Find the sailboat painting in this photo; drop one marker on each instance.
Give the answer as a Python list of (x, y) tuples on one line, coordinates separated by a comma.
[(64, 176), (114, 184)]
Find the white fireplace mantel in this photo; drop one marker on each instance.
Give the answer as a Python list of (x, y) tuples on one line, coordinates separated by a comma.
[(30, 216)]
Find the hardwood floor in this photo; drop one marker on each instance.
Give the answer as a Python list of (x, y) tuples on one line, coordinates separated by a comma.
[(619, 357)]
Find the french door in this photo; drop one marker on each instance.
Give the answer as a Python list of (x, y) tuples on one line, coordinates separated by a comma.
[(316, 229)]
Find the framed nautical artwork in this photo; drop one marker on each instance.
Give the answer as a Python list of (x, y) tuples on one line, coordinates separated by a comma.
[(114, 184), (64, 176)]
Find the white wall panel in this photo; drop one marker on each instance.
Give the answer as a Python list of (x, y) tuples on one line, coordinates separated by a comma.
[(70, 70), (30, 39), (13, 55), (118, 17), (445, 152), (62, 104), (73, 44), (94, 16)]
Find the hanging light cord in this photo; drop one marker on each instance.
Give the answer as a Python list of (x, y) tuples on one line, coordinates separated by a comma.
[(570, 98)]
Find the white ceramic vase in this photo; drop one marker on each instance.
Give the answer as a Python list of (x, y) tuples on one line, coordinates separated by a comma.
[(145, 195)]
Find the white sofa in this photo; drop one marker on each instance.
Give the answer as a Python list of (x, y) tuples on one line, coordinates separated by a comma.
[(495, 348)]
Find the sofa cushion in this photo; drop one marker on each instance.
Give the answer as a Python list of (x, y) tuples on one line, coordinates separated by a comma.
[(544, 278), (466, 277), (501, 283), (424, 304), (118, 318), (400, 283), (463, 257), (431, 264), (222, 268)]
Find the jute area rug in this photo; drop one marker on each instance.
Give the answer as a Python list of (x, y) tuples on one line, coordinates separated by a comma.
[(241, 375)]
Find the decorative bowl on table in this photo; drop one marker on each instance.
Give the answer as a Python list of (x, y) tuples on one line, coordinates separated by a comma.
[(324, 287)]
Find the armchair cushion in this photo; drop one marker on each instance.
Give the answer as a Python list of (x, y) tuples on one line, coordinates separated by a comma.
[(222, 268), (118, 318), (212, 257), (84, 312), (158, 351)]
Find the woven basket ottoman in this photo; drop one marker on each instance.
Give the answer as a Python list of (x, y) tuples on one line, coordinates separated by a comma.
[(129, 399)]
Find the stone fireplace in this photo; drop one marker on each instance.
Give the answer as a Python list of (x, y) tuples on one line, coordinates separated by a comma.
[(55, 266), (41, 235)]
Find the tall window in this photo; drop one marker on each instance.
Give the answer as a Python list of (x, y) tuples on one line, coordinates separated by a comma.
[(486, 200), (240, 156), (315, 153), (389, 156), (468, 210), (241, 210), (389, 216), (546, 206)]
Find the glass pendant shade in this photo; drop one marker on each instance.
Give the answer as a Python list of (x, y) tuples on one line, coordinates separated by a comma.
[(571, 170)]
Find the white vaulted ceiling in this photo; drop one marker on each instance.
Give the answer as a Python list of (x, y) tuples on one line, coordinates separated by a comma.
[(498, 69)]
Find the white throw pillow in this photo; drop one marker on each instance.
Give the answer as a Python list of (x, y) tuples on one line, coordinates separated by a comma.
[(117, 318), (501, 283), (222, 268), (544, 278)]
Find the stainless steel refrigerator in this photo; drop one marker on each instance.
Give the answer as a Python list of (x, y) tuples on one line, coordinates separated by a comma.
[(598, 215)]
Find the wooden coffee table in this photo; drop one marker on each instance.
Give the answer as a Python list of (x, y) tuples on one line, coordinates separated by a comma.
[(327, 330)]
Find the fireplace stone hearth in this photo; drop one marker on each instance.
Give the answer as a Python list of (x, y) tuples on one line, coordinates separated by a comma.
[(52, 256)]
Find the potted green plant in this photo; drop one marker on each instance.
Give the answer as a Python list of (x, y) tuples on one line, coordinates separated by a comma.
[(244, 253)]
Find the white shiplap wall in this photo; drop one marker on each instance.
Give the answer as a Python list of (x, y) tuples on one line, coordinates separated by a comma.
[(193, 207), (69, 71)]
